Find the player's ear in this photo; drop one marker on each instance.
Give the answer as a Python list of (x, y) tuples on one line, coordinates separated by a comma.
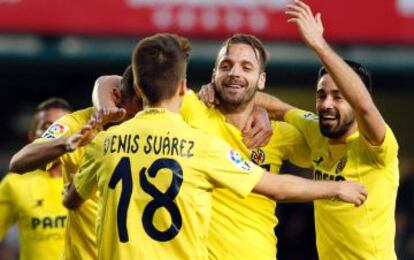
[(262, 81), (138, 92), (182, 87), (116, 96), (213, 75), (31, 136)]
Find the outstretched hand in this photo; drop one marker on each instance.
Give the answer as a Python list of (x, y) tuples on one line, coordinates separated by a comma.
[(310, 26)]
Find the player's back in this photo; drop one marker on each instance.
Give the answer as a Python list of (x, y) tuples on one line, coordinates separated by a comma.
[(155, 175)]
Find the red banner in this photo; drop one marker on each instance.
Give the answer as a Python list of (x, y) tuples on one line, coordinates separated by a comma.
[(367, 21)]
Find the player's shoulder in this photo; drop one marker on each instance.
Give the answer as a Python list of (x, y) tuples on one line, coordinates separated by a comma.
[(282, 127), (387, 151), (283, 131), (303, 120), (81, 116), (11, 178), (192, 107), (67, 124), (191, 96), (302, 115), (18, 179), (390, 135), (75, 120)]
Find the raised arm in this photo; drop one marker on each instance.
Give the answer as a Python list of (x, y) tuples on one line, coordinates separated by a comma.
[(36, 155), (370, 121), (275, 107), (289, 188)]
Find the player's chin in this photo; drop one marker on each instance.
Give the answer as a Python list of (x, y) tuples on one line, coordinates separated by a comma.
[(328, 130), (232, 99)]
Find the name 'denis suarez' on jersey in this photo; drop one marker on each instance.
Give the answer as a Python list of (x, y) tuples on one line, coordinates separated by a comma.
[(159, 145)]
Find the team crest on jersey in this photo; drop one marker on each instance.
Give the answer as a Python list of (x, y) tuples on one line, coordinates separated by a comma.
[(236, 158), (311, 116), (258, 156), (341, 164), (56, 130)]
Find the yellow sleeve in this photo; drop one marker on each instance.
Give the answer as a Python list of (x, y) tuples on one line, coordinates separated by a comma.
[(65, 126), (301, 119), (296, 149), (85, 179), (7, 206), (306, 122), (192, 107), (386, 152), (225, 167)]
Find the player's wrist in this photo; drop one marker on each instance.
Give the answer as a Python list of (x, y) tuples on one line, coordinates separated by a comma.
[(337, 190), (67, 145), (320, 46)]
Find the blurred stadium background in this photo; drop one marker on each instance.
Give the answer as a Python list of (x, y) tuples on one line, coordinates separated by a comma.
[(58, 48)]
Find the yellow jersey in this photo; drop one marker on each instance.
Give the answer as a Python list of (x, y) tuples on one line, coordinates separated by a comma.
[(80, 241), (155, 175), (33, 201), (342, 230), (244, 228)]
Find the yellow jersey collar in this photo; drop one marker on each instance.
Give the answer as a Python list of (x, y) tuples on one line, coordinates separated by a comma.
[(352, 137)]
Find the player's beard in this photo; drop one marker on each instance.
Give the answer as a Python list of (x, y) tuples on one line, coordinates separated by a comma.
[(337, 131), (238, 102)]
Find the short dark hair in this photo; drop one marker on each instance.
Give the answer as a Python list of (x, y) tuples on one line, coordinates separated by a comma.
[(158, 63), (252, 41), (127, 84), (54, 102), (359, 69), (50, 103)]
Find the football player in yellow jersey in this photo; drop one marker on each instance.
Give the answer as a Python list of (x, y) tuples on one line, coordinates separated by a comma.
[(246, 224), (155, 173), (34, 201), (349, 140), (64, 141)]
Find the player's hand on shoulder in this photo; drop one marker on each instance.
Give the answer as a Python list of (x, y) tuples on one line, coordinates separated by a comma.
[(207, 94), (352, 192), (108, 115), (82, 137), (258, 129)]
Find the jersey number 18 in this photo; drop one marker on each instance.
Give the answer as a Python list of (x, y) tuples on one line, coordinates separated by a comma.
[(123, 173)]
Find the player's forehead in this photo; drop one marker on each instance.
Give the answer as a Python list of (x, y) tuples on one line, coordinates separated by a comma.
[(327, 85), (238, 52)]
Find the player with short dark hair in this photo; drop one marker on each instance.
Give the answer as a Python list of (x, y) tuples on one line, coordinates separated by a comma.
[(349, 140)]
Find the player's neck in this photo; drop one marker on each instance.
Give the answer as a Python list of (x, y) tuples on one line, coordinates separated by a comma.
[(55, 171), (342, 139), (237, 116), (173, 105)]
